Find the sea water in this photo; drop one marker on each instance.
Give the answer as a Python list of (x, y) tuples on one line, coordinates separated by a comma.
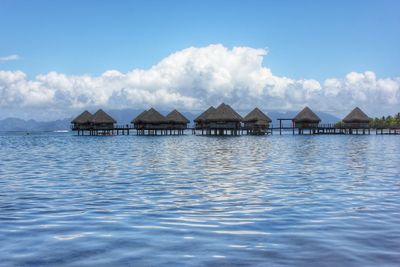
[(199, 201)]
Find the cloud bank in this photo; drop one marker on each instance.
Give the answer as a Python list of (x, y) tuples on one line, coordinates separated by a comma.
[(193, 79)]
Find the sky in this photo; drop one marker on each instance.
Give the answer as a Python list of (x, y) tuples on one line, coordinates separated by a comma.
[(58, 58)]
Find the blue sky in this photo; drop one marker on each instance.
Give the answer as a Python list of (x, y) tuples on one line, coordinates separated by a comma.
[(306, 40)]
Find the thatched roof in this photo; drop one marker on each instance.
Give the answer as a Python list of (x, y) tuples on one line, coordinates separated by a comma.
[(150, 116), (224, 113), (101, 117), (176, 117), (306, 115), (203, 116), (356, 115), (139, 117), (237, 114), (256, 115), (83, 118)]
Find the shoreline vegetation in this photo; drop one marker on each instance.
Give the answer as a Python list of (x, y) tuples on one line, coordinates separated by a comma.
[(389, 121), (383, 122)]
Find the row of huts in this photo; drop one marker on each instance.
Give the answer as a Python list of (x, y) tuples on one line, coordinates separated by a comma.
[(88, 121), (223, 120), (149, 121), (354, 121), (152, 122)]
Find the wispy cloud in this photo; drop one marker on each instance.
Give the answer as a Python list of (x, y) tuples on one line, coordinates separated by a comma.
[(196, 77), (9, 58)]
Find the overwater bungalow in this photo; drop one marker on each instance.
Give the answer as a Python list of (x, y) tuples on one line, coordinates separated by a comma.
[(200, 121), (176, 122), (306, 119), (256, 122), (224, 120), (82, 122), (356, 120), (102, 121), (151, 121)]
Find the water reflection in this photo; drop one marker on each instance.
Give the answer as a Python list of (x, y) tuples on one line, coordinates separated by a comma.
[(194, 201)]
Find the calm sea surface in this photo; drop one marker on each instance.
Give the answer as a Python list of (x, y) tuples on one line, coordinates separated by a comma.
[(199, 201)]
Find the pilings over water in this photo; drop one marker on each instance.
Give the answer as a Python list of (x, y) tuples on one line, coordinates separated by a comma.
[(126, 130), (217, 132), (388, 131), (331, 130), (225, 121), (106, 131), (230, 132), (160, 132), (339, 130), (323, 130)]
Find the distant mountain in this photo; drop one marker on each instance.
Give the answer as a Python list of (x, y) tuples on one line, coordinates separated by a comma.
[(125, 116), (15, 124)]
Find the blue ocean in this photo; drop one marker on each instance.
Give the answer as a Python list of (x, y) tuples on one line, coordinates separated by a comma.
[(199, 201)]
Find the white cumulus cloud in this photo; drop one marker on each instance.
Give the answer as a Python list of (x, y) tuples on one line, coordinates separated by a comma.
[(194, 78)]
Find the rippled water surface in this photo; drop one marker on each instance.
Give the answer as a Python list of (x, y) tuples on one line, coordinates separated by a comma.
[(199, 201)]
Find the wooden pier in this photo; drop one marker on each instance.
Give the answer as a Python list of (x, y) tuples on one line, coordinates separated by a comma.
[(217, 131), (332, 129), (159, 132), (388, 131), (326, 129), (225, 121), (93, 131)]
